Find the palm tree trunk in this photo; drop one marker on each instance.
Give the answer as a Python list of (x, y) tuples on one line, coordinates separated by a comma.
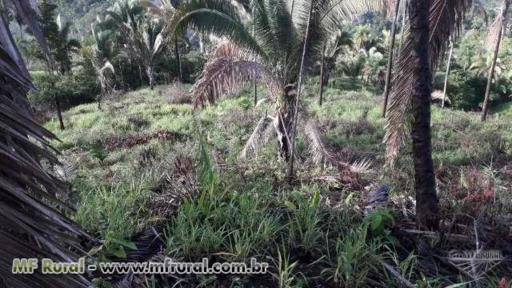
[(178, 60), (59, 112), (387, 87), (448, 64), (254, 82), (322, 72), (293, 133), (502, 19), (425, 184)]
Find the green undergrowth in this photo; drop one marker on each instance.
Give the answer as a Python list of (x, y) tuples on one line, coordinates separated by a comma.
[(244, 209)]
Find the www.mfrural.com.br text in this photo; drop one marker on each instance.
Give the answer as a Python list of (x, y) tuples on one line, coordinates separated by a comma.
[(168, 266)]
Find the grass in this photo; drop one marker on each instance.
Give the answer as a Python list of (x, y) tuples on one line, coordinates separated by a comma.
[(311, 234)]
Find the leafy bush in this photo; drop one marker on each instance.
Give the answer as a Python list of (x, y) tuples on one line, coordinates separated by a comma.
[(73, 89), (465, 91)]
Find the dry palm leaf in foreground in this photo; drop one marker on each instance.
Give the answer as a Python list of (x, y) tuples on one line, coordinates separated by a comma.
[(30, 226)]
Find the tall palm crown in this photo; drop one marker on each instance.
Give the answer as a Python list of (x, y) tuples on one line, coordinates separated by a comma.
[(140, 33), (273, 53), (275, 48)]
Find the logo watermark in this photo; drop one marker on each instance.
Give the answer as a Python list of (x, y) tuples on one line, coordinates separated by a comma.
[(475, 263)]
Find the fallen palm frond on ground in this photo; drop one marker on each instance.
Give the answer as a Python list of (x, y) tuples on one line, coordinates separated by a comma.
[(130, 141)]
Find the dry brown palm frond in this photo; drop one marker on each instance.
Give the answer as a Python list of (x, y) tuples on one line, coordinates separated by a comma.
[(496, 30), (317, 148), (363, 166), (229, 70), (438, 96), (354, 8), (445, 20), (30, 225), (258, 137)]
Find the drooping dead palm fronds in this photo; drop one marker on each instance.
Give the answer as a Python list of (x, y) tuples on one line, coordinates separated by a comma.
[(319, 152), (29, 226), (258, 137), (445, 20), (230, 69)]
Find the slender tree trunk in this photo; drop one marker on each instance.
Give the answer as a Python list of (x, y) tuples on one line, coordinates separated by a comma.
[(99, 101), (387, 86), (178, 60), (141, 78), (322, 76), (504, 10), (448, 64), (59, 112), (425, 184), (151, 76), (297, 99), (255, 84), (255, 90)]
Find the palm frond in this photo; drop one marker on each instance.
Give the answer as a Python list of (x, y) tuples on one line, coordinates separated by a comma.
[(317, 148), (496, 30), (363, 166), (258, 138), (29, 226), (212, 16), (229, 72), (445, 21)]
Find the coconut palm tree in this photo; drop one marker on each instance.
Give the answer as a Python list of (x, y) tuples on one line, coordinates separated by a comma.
[(29, 225), (332, 48), (430, 27), (204, 16), (141, 34), (274, 57)]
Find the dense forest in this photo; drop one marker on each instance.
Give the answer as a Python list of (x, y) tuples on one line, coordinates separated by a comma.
[(320, 143)]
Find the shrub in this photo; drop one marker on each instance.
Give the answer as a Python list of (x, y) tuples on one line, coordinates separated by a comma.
[(73, 89), (466, 92)]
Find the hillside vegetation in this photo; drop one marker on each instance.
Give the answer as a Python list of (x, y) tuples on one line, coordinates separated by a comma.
[(145, 158)]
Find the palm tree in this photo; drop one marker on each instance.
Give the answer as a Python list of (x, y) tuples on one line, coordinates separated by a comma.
[(332, 48), (447, 74), (497, 32), (428, 33), (29, 226), (273, 57), (141, 34)]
